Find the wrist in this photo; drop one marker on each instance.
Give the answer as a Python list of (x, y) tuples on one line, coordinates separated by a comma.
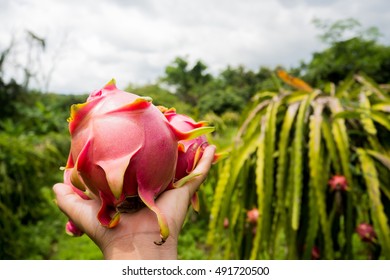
[(140, 247)]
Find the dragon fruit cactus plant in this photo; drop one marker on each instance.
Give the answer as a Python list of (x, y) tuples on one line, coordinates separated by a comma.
[(123, 153)]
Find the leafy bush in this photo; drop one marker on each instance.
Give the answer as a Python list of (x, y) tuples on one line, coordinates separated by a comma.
[(33, 145), (28, 169)]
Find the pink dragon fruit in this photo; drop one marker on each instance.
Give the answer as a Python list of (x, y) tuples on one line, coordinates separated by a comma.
[(225, 223), (338, 183), (315, 253), (123, 152), (366, 232), (252, 215), (190, 151)]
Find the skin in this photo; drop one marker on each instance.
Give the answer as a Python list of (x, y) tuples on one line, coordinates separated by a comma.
[(134, 236)]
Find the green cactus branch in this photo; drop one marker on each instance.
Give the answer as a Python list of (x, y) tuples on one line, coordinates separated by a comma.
[(308, 161)]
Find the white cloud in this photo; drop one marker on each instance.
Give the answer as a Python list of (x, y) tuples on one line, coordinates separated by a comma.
[(134, 41)]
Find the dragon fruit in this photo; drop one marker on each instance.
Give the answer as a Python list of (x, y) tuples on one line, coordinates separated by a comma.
[(123, 153), (252, 215), (190, 151), (366, 232), (338, 183), (315, 253)]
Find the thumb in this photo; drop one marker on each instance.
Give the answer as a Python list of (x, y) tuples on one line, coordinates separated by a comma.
[(202, 168)]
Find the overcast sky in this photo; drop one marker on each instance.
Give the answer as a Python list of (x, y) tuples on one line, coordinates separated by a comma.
[(91, 41)]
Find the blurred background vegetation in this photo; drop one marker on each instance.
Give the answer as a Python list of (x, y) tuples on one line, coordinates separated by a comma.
[(308, 171)]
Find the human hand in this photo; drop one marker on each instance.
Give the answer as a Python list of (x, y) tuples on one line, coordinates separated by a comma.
[(134, 236)]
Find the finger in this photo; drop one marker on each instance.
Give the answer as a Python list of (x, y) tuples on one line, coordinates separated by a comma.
[(81, 212), (202, 168), (176, 201)]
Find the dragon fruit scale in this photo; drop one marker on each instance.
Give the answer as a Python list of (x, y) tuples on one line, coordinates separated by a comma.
[(123, 153)]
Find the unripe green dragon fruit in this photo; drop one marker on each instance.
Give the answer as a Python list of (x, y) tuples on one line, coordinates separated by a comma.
[(123, 153)]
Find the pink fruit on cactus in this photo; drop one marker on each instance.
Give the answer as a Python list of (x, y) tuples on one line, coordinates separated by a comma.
[(315, 253), (225, 222), (190, 151), (253, 215), (366, 232), (123, 153), (338, 183)]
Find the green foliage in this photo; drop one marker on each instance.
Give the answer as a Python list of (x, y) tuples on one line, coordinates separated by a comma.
[(230, 91), (191, 243), (28, 168), (220, 101), (340, 30), (350, 56), (9, 94), (33, 146), (233, 88), (186, 80), (285, 153), (351, 49), (71, 248)]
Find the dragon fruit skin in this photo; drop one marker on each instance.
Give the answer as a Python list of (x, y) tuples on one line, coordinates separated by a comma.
[(122, 147), (252, 215), (190, 151), (338, 183)]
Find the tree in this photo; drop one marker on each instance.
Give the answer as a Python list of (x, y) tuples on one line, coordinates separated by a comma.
[(233, 88), (187, 81), (351, 49), (344, 29)]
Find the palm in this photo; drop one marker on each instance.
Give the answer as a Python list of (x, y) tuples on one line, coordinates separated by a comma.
[(173, 204)]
